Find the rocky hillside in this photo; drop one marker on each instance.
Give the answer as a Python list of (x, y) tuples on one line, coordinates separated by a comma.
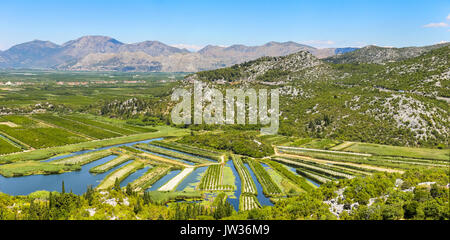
[(399, 103), (374, 54)]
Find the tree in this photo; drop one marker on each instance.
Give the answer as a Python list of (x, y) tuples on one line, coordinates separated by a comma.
[(137, 206), (129, 190), (89, 195), (63, 190), (117, 185)]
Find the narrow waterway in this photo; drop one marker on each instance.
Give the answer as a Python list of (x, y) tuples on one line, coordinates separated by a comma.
[(76, 181), (163, 180), (237, 182), (99, 149), (262, 199), (192, 179), (165, 156), (134, 176)]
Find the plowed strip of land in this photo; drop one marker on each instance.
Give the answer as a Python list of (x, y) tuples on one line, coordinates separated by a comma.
[(170, 185), (111, 164)]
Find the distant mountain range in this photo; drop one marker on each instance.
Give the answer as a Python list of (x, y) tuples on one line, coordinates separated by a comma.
[(101, 53)]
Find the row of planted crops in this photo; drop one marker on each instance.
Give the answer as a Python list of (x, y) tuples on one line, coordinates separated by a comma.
[(190, 150), (322, 166), (400, 162), (247, 199), (212, 179), (35, 131), (270, 188)]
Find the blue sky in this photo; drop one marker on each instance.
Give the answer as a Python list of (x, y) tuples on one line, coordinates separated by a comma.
[(195, 24)]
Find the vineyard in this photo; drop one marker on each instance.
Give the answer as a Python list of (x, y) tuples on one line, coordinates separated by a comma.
[(270, 188), (150, 177), (248, 186), (394, 160), (171, 153), (119, 174), (362, 160), (248, 202), (111, 164), (84, 158), (212, 179), (189, 149), (77, 127), (29, 133), (117, 129), (7, 147), (26, 168), (320, 169), (280, 168)]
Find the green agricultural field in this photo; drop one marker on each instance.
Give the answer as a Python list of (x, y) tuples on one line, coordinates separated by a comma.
[(7, 147), (189, 149), (77, 127), (113, 128), (212, 179), (270, 188), (120, 174), (111, 164), (315, 143), (32, 168), (84, 158), (248, 186), (385, 150), (37, 135), (150, 177), (171, 153), (282, 170), (40, 154), (248, 202)]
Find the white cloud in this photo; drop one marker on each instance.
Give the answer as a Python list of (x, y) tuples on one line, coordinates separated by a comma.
[(448, 17), (436, 25), (190, 47)]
